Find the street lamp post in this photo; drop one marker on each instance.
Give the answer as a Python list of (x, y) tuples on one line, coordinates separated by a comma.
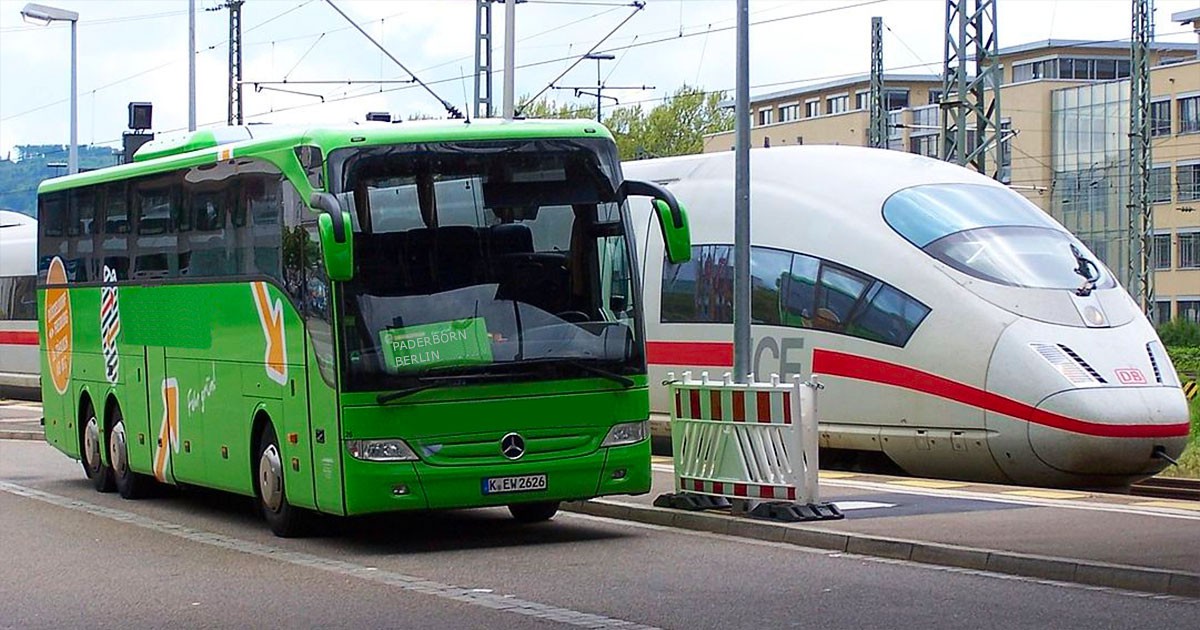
[(42, 14)]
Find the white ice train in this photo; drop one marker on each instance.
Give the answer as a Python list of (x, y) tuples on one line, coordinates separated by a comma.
[(18, 303), (960, 331)]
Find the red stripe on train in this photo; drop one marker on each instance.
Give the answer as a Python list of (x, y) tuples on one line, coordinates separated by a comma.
[(19, 337), (832, 363)]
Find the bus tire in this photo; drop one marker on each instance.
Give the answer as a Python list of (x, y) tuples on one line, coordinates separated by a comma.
[(285, 520), (130, 485), (534, 512), (89, 454)]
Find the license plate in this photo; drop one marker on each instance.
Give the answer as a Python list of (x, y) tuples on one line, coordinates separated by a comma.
[(523, 483)]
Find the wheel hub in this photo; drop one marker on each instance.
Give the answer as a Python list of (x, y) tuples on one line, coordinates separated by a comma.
[(270, 478), (116, 449), (91, 444)]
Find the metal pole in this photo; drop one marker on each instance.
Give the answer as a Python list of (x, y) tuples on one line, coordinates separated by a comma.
[(741, 200), (599, 89), (73, 150), (191, 65), (510, 57)]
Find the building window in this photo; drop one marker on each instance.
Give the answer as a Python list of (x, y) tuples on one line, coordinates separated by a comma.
[(1162, 251), (788, 113), (1162, 312), (924, 145), (812, 108), (838, 104), (862, 99), (1187, 181), (1189, 250), (1160, 118), (765, 116), (1189, 310), (1189, 114), (895, 99), (935, 97), (1160, 184)]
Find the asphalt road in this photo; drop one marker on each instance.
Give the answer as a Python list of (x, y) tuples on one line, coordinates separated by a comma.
[(71, 557)]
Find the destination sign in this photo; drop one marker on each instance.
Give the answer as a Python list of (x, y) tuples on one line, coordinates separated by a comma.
[(457, 342)]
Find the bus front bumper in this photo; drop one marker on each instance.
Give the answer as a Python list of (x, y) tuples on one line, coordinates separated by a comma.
[(373, 487)]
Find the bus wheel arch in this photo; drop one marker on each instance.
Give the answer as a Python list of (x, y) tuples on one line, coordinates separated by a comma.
[(285, 520), (91, 445)]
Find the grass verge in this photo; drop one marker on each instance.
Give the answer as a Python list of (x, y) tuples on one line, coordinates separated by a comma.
[(1189, 462)]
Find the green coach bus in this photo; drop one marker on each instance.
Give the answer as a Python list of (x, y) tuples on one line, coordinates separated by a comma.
[(353, 320)]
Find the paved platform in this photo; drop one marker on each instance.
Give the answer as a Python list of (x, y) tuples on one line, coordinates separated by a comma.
[(1095, 538), (20, 420), (1102, 539)]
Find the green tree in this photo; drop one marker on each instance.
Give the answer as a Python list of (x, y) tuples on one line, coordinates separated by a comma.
[(543, 108), (676, 127)]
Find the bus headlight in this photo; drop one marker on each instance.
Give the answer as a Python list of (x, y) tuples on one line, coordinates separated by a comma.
[(627, 433), (381, 450)]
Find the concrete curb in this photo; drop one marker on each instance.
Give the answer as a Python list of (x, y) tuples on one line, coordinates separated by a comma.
[(9, 434), (1125, 577)]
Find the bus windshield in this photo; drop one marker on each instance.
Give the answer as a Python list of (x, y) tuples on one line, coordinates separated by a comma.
[(486, 258)]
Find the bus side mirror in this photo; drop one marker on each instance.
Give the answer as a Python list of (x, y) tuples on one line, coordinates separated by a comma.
[(672, 219), (337, 243)]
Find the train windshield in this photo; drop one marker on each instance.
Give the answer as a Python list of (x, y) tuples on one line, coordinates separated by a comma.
[(994, 234)]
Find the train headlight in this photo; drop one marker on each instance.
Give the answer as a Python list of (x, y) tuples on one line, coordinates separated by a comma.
[(627, 433), (381, 450), (1094, 316)]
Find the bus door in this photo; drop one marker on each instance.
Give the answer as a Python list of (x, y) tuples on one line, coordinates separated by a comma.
[(177, 444)]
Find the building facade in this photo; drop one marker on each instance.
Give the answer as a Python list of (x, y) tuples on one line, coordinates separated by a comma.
[(1065, 116)]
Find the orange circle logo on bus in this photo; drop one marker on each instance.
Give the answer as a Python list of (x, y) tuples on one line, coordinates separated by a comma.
[(58, 326)]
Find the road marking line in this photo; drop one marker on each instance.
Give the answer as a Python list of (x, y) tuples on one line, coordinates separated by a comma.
[(409, 583), (861, 505), (1046, 494), (833, 474), (928, 483), (1174, 505)]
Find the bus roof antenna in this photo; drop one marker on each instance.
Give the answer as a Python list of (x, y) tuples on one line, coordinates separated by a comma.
[(450, 109)]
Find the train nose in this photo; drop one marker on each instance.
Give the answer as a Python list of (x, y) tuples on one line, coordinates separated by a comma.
[(1111, 431)]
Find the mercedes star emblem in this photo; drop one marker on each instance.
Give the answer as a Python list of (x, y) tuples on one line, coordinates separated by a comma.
[(512, 445)]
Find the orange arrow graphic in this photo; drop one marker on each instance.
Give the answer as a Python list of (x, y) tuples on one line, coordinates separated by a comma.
[(270, 315), (168, 433)]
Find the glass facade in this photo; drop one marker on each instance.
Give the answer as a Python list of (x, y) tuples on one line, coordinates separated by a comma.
[(1090, 129)]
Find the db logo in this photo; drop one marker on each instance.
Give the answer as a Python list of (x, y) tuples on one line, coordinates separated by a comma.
[(1130, 376)]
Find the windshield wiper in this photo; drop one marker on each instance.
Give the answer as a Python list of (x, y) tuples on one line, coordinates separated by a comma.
[(1087, 269), (621, 379), (383, 399)]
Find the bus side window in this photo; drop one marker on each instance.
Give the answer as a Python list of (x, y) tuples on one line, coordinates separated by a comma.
[(79, 229), (114, 242), (52, 217)]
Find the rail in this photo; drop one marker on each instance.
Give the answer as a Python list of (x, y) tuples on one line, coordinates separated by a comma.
[(1168, 488)]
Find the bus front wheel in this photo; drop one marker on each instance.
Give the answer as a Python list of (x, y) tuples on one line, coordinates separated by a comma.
[(534, 512), (285, 520), (93, 465)]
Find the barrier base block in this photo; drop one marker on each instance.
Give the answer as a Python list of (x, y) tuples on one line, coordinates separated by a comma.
[(796, 512), (691, 502)]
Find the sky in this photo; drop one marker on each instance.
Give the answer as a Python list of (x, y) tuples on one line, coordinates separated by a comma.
[(136, 50)]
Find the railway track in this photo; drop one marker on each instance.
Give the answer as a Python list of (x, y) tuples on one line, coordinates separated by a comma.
[(1168, 488)]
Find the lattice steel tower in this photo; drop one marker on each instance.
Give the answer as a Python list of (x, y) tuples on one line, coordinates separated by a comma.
[(971, 103), (1141, 211), (877, 131), (235, 61), (483, 58)]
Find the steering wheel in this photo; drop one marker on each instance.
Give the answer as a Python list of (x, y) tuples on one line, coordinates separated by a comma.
[(573, 316)]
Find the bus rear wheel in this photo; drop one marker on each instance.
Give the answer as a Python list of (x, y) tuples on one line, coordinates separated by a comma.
[(285, 520), (534, 512), (130, 485), (93, 465)]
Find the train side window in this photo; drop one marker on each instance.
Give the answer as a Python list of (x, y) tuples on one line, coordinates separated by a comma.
[(799, 291), (838, 292), (769, 270), (17, 298), (891, 317), (700, 290)]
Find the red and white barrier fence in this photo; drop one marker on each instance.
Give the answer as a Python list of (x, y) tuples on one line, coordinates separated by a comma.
[(755, 442)]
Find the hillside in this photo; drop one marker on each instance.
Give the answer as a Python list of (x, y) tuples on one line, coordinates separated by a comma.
[(21, 174)]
